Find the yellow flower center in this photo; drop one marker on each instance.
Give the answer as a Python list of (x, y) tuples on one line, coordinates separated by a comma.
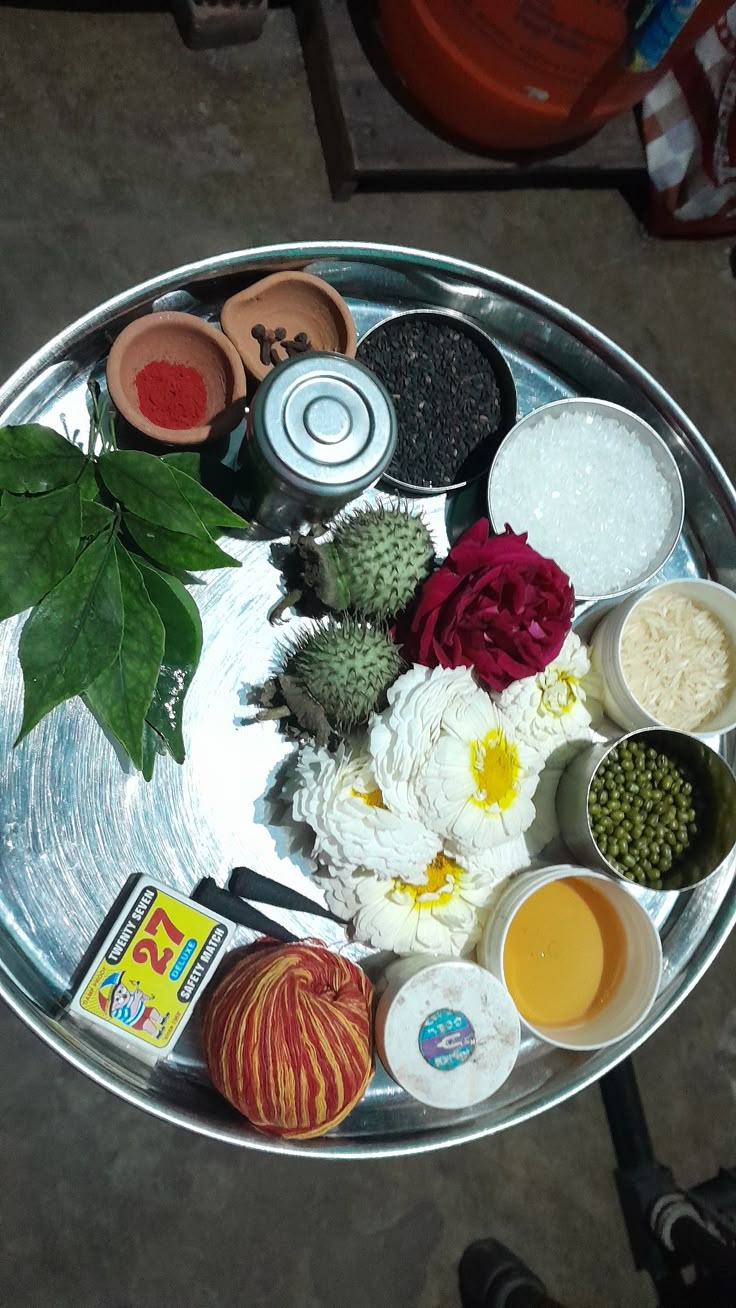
[(495, 765), (373, 798), (443, 877), (560, 695)]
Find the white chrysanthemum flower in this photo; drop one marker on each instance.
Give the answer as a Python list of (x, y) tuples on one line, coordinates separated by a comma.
[(445, 915), (594, 694), (497, 862), (338, 797), (479, 779), (550, 708), (402, 736), (545, 828), (445, 754)]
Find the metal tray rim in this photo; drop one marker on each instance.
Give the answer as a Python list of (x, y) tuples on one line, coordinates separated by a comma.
[(344, 1149), (303, 252), (724, 918)]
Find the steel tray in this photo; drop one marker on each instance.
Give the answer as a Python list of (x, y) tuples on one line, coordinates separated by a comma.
[(74, 823)]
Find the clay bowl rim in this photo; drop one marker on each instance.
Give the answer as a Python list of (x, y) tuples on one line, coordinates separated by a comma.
[(259, 371), (147, 325)]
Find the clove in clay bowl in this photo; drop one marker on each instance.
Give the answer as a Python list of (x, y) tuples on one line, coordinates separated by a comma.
[(297, 304)]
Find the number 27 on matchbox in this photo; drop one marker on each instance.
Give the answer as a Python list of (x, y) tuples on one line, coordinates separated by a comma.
[(155, 962)]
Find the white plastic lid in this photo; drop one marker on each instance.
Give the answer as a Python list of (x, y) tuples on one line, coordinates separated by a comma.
[(447, 1031)]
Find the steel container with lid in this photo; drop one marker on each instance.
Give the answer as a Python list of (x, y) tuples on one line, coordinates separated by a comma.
[(322, 429)]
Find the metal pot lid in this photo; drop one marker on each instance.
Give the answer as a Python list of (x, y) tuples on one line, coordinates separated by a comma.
[(324, 422)]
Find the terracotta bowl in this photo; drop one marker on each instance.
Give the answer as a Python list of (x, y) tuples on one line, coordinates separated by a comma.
[(295, 301), (178, 338)]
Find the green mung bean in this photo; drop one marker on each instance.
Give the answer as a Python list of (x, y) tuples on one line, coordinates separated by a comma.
[(642, 809)]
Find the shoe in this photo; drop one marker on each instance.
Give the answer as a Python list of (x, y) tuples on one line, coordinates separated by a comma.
[(490, 1274)]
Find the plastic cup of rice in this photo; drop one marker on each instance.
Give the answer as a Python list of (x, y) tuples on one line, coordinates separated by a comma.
[(667, 658), (596, 489)]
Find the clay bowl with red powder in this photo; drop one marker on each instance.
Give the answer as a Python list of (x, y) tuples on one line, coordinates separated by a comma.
[(297, 304), (176, 379)]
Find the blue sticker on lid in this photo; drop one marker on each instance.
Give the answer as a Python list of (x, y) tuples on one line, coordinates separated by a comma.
[(446, 1039)]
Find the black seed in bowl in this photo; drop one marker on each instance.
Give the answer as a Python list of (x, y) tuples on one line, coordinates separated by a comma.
[(449, 404)]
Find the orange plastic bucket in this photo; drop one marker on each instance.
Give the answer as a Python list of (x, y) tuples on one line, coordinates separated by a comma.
[(522, 74)]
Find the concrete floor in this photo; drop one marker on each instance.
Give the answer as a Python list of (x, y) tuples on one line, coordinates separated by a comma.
[(123, 154)]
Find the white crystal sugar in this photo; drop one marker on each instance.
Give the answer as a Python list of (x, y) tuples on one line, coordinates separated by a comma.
[(589, 494)]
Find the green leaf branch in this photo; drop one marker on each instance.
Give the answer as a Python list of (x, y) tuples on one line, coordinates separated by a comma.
[(89, 542)]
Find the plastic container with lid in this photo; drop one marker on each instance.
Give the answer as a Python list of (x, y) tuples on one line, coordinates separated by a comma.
[(322, 430), (525, 74), (446, 1030), (619, 700), (637, 988)]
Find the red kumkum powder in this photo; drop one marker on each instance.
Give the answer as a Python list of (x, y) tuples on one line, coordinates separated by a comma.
[(172, 395)]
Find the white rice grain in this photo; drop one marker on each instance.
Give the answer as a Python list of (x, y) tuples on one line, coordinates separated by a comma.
[(677, 660)]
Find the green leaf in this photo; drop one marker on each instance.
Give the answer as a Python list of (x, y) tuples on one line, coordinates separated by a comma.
[(39, 538), (73, 634), (182, 649), (184, 461), (121, 696), (95, 518), (211, 511), (175, 551), (35, 459), (87, 483), (149, 752), (147, 488), (153, 746)]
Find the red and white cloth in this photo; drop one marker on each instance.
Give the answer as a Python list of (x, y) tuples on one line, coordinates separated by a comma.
[(689, 130)]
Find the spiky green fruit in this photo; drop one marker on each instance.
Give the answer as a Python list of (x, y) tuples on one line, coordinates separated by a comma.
[(374, 563), (346, 668)]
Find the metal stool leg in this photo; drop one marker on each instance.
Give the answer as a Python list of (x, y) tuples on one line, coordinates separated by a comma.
[(679, 1238)]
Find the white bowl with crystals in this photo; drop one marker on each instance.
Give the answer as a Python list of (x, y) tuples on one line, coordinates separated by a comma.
[(596, 489)]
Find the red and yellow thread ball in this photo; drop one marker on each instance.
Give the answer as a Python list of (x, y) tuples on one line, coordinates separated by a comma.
[(288, 1038)]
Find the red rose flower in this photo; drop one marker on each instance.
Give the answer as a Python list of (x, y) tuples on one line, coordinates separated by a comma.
[(494, 605)]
